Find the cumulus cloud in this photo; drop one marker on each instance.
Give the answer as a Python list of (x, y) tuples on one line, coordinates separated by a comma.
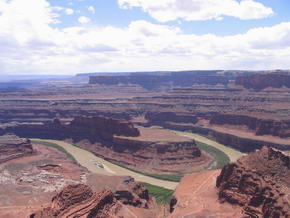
[(91, 9), (29, 43), (84, 20), (169, 10), (69, 11)]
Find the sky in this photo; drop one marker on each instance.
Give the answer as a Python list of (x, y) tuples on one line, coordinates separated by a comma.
[(80, 36)]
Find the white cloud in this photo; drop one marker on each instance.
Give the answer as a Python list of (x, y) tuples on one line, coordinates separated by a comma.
[(30, 44), (69, 11), (92, 9), (169, 10), (84, 20)]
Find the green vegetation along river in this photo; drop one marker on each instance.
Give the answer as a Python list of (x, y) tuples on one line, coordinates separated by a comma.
[(98, 165)]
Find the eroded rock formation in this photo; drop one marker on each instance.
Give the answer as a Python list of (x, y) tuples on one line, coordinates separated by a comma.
[(133, 193), (280, 128), (159, 117), (100, 135), (92, 128), (162, 79), (12, 147), (262, 81), (80, 201), (168, 157), (259, 183)]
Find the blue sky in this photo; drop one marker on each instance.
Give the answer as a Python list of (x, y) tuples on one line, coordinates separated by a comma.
[(108, 12), (74, 36)]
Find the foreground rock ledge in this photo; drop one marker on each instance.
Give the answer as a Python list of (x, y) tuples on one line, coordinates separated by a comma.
[(12, 147), (81, 201), (259, 183)]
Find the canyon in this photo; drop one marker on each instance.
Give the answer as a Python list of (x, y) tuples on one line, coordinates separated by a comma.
[(261, 81), (119, 141), (141, 121)]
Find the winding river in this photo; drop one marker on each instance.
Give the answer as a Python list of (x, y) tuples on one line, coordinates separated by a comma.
[(100, 166)]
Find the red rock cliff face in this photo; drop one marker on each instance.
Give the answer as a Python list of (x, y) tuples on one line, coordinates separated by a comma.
[(280, 128), (259, 183), (92, 128), (168, 157), (156, 117), (80, 201), (110, 125), (12, 147), (262, 81), (158, 79)]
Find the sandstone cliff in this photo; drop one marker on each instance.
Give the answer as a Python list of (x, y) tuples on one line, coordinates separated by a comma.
[(262, 81), (165, 79), (259, 183), (12, 147), (95, 128), (234, 141), (99, 135), (159, 117), (157, 157), (80, 201), (133, 193), (280, 128)]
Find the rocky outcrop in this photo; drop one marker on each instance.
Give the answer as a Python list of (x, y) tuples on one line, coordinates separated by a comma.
[(12, 147), (196, 196), (280, 128), (259, 183), (234, 141), (150, 157), (262, 81), (80, 201), (158, 157), (133, 193), (159, 117), (95, 128), (158, 79)]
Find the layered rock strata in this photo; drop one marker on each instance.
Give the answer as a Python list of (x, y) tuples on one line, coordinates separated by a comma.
[(280, 128), (159, 117), (99, 135), (262, 81), (80, 201), (166, 79), (92, 128), (12, 147), (232, 140), (166, 157), (259, 183)]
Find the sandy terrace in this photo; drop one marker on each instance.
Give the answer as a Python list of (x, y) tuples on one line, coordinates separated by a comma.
[(197, 196), (157, 134), (31, 181), (248, 134), (240, 131)]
